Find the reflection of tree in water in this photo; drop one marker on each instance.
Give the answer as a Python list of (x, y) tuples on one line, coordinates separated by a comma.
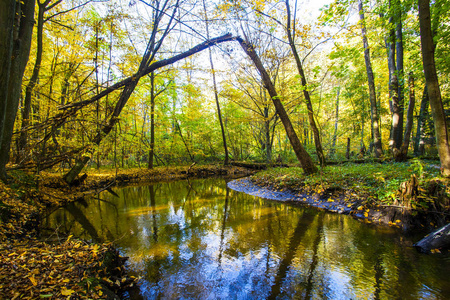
[(302, 226), (222, 231), (315, 259), (198, 239), (81, 218)]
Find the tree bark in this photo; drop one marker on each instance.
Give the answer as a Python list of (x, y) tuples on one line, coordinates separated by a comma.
[(347, 153), (400, 74), (419, 145), (395, 135), (303, 156), (402, 155), (18, 46), (432, 82), (306, 94), (371, 82), (7, 13), (151, 152)]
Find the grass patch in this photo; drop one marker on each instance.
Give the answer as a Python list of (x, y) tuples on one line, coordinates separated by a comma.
[(374, 182)]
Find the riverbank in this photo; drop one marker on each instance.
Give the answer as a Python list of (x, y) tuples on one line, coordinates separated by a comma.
[(61, 267), (373, 193)]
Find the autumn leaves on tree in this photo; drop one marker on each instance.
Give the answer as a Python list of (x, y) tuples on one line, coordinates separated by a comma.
[(110, 82)]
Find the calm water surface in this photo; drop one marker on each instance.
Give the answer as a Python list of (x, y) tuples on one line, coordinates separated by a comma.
[(199, 240)]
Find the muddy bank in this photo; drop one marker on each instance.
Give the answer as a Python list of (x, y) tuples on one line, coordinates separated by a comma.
[(339, 201)]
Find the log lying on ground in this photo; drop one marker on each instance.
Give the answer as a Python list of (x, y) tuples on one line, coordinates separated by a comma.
[(439, 239)]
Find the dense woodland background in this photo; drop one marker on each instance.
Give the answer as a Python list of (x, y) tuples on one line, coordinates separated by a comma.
[(113, 84)]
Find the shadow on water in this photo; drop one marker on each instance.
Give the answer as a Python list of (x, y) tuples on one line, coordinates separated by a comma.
[(200, 240)]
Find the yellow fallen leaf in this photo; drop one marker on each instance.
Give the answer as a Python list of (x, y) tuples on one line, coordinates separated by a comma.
[(33, 280), (66, 292)]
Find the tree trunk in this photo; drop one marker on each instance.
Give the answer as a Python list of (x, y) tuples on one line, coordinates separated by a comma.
[(419, 145), (267, 139), (26, 110), (402, 155), (216, 93), (16, 37), (306, 94), (303, 156), (400, 74), (372, 93), (7, 13), (151, 152), (97, 88), (336, 122), (184, 141), (395, 135), (347, 153), (434, 92)]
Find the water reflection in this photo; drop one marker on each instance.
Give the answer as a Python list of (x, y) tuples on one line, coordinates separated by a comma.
[(200, 240)]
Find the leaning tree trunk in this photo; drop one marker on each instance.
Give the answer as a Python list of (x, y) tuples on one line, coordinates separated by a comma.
[(306, 93), (105, 130), (129, 85), (303, 156), (372, 93), (434, 92)]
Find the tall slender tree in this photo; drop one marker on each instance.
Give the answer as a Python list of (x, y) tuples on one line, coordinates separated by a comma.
[(216, 93), (434, 92), (371, 81)]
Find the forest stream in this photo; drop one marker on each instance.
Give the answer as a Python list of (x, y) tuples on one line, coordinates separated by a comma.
[(199, 239)]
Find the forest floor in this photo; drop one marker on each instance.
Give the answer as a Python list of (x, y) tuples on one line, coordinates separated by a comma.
[(34, 267)]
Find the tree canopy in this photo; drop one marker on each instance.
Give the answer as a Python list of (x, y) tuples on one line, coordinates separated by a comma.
[(117, 84)]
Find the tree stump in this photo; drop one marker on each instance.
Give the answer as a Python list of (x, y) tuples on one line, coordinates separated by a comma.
[(408, 192)]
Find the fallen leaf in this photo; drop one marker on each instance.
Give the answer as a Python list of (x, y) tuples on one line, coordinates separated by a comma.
[(66, 292)]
